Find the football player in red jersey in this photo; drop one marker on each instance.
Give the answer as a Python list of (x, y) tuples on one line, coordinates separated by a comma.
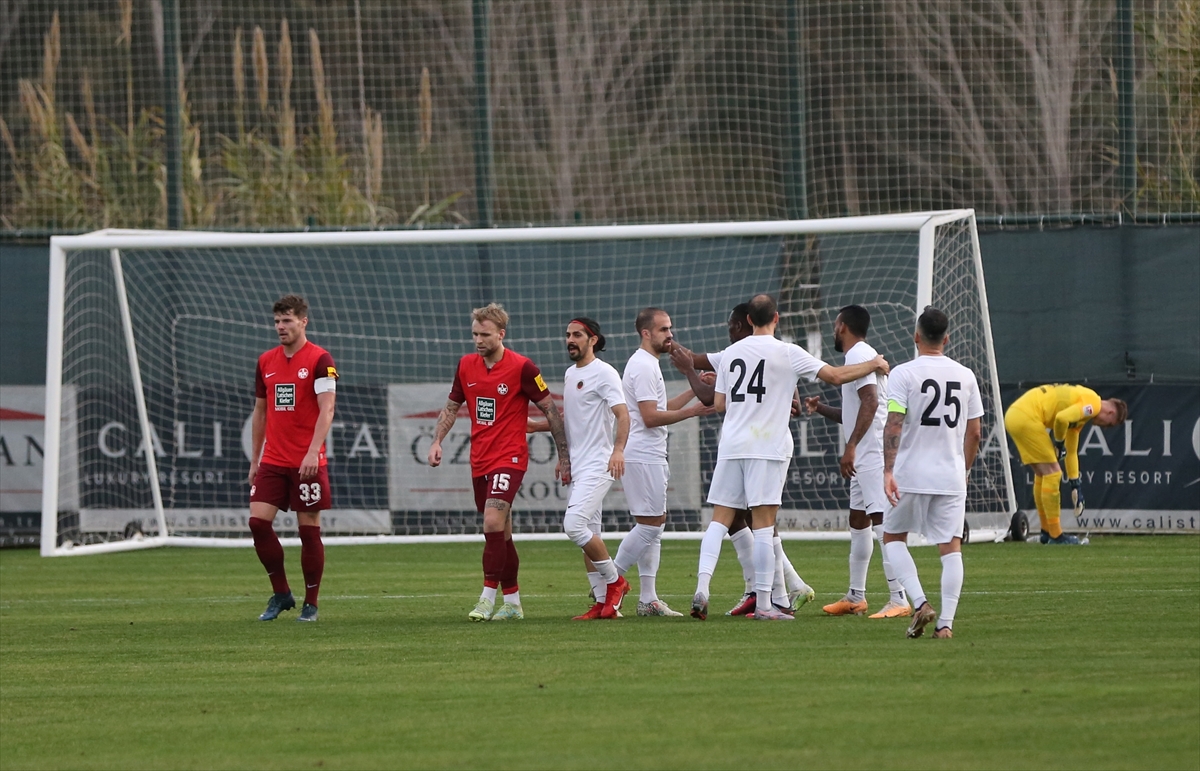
[(497, 385), (295, 388)]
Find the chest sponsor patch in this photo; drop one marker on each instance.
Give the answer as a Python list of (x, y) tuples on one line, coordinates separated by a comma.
[(485, 410), (285, 396)]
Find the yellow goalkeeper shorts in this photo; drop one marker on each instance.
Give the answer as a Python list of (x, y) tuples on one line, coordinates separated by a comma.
[(1028, 433)]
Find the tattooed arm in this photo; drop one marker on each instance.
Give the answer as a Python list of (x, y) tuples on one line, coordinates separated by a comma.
[(891, 443), (562, 470), (444, 424)]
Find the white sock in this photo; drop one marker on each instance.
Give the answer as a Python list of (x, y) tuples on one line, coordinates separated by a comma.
[(513, 598), (778, 587), (791, 577), (638, 540), (861, 547), (764, 565), (894, 588), (489, 594), (952, 581), (710, 552), (598, 585), (648, 569), (607, 572), (743, 544), (906, 570)]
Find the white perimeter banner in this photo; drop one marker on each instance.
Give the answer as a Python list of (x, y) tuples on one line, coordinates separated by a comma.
[(413, 411), (22, 443)]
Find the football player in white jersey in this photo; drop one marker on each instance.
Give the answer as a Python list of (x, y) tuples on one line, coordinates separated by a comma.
[(862, 414), (754, 388), (593, 405), (929, 443), (799, 593), (646, 470)]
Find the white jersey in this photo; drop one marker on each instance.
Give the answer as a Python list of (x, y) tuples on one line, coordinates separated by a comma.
[(869, 454), (937, 396), (714, 359), (589, 394), (643, 382), (758, 376)]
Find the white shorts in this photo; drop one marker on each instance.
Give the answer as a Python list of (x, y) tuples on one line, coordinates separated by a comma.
[(938, 517), (742, 483), (866, 491), (646, 488), (586, 501)]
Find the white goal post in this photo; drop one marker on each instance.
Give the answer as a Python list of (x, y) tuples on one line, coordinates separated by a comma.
[(153, 337)]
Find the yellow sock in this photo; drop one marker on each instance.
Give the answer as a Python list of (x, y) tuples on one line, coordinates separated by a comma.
[(1051, 506), (1037, 499)]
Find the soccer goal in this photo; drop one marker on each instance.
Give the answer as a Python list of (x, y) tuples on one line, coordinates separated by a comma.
[(153, 339)]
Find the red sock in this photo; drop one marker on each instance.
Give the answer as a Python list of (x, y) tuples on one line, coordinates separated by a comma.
[(270, 553), (494, 558), (508, 578), (312, 561)]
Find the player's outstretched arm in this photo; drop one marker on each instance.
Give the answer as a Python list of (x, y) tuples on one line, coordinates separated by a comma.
[(814, 405), (653, 417), (868, 397), (325, 405), (562, 469), (258, 434), (684, 361), (891, 444), (848, 373), (444, 424)]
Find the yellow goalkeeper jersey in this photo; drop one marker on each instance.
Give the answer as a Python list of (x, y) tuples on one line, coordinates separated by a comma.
[(1064, 408)]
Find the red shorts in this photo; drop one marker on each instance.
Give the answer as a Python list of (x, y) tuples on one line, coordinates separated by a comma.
[(282, 488), (501, 483)]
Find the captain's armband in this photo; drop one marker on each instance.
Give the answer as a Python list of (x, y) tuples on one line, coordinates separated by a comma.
[(895, 406)]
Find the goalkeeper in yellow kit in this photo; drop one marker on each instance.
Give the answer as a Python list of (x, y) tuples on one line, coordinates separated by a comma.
[(1065, 409)]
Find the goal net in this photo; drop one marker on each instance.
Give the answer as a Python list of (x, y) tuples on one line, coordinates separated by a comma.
[(154, 337)]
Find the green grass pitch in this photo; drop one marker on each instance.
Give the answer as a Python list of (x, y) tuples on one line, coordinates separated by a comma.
[(1064, 658)]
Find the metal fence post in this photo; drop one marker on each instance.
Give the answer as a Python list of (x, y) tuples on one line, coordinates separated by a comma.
[(796, 168), (172, 114), (1126, 106)]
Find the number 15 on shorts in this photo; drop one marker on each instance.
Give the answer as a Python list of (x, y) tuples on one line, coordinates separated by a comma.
[(500, 484)]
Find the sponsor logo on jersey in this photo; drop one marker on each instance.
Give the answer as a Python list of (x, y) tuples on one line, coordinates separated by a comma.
[(540, 383), (303, 373), (502, 389), (285, 396), (485, 411), (1088, 411)]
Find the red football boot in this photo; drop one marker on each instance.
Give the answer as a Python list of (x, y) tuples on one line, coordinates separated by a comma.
[(592, 614), (613, 595)]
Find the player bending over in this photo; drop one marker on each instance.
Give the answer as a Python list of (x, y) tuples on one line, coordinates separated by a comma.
[(646, 470), (498, 384), (295, 388), (861, 416), (593, 405), (799, 593), (929, 443), (1065, 409), (754, 388)]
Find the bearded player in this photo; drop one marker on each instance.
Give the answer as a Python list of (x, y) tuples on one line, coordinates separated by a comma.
[(861, 417), (498, 384), (593, 406), (799, 593), (295, 388)]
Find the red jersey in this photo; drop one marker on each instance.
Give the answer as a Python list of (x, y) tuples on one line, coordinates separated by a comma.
[(289, 386), (498, 402)]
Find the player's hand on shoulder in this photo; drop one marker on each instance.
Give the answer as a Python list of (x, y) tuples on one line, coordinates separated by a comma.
[(810, 404), (616, 464), (435, 454), (881, 365)]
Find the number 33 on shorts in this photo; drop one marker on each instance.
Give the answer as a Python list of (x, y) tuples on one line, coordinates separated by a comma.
[(310, 493)]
